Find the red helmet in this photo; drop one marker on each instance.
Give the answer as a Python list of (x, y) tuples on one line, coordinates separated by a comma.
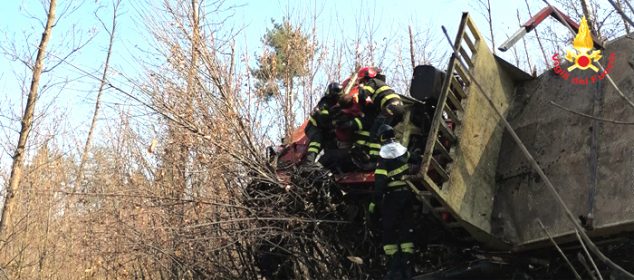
[(368, 72)]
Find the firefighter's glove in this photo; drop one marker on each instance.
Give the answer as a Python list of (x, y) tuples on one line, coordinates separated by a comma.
[(371, 207)]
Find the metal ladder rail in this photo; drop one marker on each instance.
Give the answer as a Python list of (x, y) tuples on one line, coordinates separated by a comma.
[(449, 104), (453, 91)]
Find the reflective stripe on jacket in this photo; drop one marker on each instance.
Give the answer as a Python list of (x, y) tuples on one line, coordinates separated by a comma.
[(362, 138), (380, 93)]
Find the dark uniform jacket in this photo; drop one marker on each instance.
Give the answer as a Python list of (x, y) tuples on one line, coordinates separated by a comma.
[(380, 93), (393, 164), (320, 127)]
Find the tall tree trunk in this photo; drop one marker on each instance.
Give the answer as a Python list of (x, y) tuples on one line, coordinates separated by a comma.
[(539, 40), (102, 83), (490, 19), (27, 122), (528, 58), (289, 118), (486, 5), (93, 123), (411, 46)]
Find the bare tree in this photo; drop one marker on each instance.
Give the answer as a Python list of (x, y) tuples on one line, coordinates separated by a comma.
[(27, 121), (601, 20), (624, 17), (411, 46), (528, 59), (102, 84), (486, 6), (539, 40)]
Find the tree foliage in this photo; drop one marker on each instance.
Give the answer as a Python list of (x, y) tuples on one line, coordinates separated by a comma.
[(285, 57)]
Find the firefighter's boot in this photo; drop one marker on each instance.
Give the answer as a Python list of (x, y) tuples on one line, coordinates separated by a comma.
[(310, 157), (408, 265), (395, 267)]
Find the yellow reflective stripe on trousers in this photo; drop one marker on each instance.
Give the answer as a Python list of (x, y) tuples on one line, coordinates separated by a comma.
[(324, 112), (373, 148), (390, 249), (407, 247), (313, 147), (380, 172), (388, 97), (312, 121), (396, 184), (363, 132), (373, 145), (398, 170), (358, 121)]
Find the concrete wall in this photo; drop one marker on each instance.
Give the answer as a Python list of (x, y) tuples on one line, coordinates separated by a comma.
[(580, 155)]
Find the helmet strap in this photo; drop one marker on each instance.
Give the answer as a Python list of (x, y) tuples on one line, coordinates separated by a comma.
[(386, 141)]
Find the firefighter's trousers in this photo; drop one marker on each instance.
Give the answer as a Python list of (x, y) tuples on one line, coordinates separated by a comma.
[(398, 221)]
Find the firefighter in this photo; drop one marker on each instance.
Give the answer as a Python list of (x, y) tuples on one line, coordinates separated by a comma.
[(396, 201), (386, 106), (352, 126), (319, 128), (365, 151)]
